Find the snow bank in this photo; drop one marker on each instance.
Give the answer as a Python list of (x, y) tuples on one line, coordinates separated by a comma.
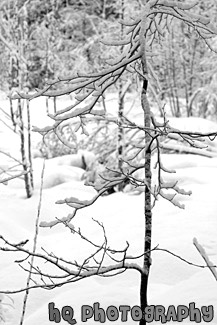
[(55, 174), (83, 159)]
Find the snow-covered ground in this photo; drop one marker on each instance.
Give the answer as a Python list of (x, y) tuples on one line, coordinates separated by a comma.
[(172, 281)]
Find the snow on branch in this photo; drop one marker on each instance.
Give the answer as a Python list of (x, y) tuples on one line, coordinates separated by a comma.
[(185, 149), (5, 180), (204, 255), (67, 271), (157, 248), (88, 89)]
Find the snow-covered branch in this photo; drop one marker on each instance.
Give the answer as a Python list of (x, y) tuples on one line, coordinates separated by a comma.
[(89, 89), (68, 271), (210, 265)]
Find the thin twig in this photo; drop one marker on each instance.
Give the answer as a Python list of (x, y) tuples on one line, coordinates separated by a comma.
[(34, 247)]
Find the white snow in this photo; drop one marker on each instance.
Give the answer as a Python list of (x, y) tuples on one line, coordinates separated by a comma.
[(172, 282)]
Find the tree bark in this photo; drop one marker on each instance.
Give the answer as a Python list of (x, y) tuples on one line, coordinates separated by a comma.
[(121, 108), (147, 204), (147, 208)]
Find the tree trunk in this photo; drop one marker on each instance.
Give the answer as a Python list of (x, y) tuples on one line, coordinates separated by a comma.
[(148, 211), (121, 109), (192, 73), (174, 77), (12, 114), (23, 152), (47, 106), (147, 204), (55, 105), (29, 143)]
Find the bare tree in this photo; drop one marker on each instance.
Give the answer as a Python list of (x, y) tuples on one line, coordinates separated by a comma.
[(137, 56), (14, 25)]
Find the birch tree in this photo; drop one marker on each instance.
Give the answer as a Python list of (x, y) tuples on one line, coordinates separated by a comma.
[(141, 32)]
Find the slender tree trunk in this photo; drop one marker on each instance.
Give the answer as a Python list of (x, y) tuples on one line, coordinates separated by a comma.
[(55, 105), (175, 92), (148, 210), (120, 126), (169, 78), (18, 76), (23, 152), (12, 114), (121, 109), (192, 65), (147, 204), (29, 143), (24, 75), (47, 105), (185, 83)]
